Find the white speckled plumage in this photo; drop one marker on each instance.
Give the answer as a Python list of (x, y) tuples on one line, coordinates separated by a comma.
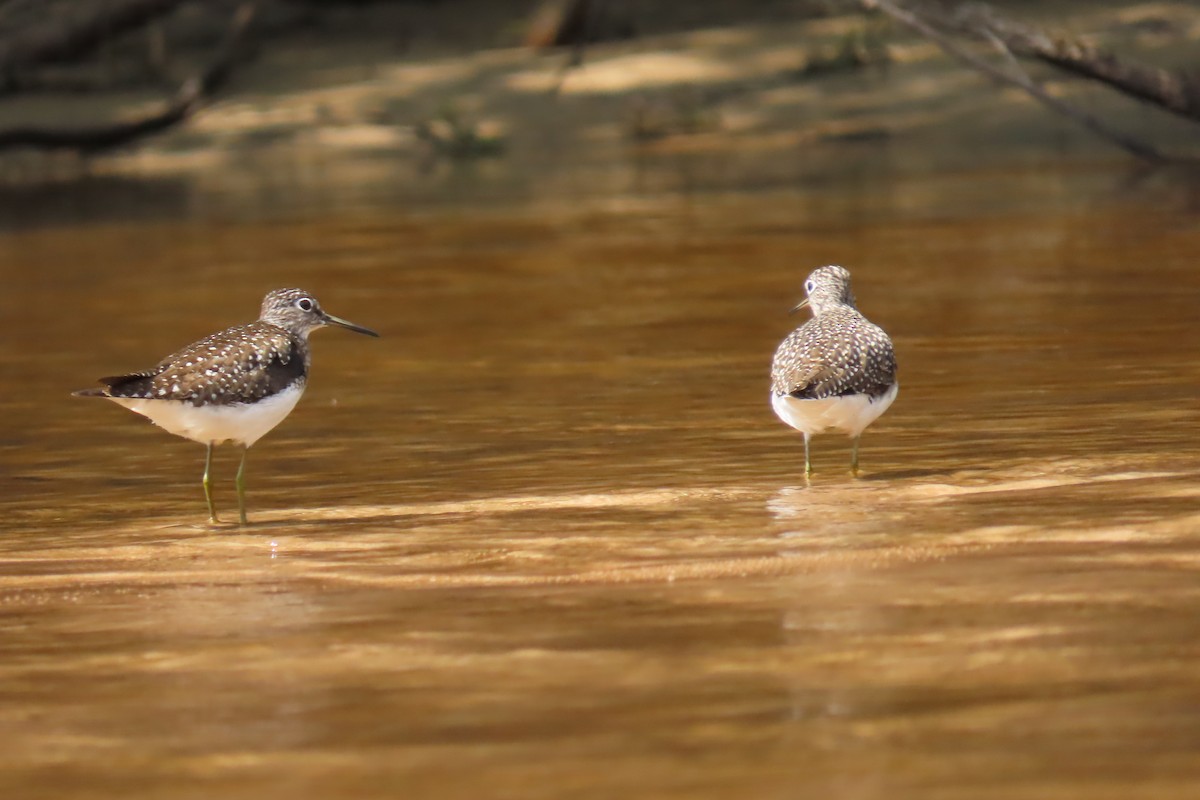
[(233, 386), (837, 371)]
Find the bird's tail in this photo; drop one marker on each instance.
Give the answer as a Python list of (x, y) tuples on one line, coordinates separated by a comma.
[(118, 386)]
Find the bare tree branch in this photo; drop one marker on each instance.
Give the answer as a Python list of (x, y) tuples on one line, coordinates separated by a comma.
[(1134, 146), (190, 97), (1173, 91), (75, 29)]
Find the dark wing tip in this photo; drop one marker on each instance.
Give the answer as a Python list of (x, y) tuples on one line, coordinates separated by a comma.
[(111, 386), (809, 391)]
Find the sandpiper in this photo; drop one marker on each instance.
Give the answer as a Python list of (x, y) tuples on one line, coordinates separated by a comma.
[(835, 372), (232, 386)]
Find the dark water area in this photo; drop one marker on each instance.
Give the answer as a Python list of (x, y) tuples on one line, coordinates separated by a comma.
[(545, 537)]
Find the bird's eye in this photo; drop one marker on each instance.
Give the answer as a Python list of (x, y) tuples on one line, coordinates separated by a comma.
[(304, 304), (809, 286)]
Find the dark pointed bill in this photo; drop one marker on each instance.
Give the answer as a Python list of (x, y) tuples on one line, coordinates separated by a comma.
[(799, 306), (330, 319)]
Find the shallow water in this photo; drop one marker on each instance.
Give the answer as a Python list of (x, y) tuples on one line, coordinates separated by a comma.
[(545, 538)]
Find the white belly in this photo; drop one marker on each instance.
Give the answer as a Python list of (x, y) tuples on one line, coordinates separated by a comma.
[(242, 424), (850, 414)]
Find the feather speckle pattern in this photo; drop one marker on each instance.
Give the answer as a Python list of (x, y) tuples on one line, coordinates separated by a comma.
[(233, 386), (238, 366), (242, 364), (836, 353), (838, 370)]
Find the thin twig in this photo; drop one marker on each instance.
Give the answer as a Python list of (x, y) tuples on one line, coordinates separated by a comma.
[(1135, 146), (1003, 50)]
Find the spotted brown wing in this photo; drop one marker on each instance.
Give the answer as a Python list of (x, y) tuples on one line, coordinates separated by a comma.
[(238, 365), (835, 354)]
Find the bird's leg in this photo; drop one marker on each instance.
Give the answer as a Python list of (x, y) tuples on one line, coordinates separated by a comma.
[(212, 510), (807, 461), (241, 486), (854, 456)]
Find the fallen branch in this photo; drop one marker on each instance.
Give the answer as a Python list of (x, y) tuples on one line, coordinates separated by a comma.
[(190, 97), (905, 17), (61, 33), (1173, 91)]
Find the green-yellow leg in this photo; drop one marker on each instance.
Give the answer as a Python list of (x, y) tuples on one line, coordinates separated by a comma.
[(854, 456), (807, 460), (241, 487), (212, 510)]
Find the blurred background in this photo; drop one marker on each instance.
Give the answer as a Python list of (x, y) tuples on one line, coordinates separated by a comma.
[(278, 105), (545, 538)]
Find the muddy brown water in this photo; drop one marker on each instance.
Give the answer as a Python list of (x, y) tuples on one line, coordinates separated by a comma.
[(545, 538)]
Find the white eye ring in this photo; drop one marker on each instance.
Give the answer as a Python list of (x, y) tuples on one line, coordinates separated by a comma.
[(809, 287), (304, 304)]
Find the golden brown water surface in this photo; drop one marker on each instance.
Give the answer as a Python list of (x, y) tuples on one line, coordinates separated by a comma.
[(545, 538)]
